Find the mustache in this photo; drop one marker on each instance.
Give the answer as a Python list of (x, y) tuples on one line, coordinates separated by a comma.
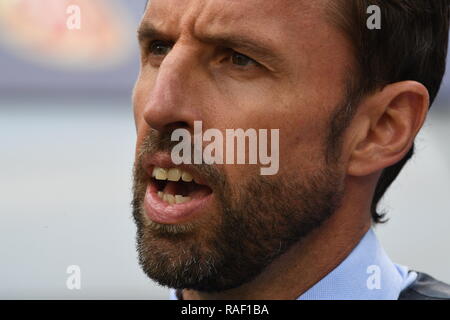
[(156, 142)]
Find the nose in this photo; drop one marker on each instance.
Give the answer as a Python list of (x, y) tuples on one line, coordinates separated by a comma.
[(171, 101)]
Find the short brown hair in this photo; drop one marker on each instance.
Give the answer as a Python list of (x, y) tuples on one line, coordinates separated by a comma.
[(410, 45)]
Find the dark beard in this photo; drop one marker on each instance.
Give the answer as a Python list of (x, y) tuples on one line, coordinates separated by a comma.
[(255, 223)]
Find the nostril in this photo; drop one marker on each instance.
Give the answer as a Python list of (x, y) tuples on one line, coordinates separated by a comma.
[(177, 125)]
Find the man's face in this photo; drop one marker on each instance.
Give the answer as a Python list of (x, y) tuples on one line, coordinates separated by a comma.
[(232, 64)]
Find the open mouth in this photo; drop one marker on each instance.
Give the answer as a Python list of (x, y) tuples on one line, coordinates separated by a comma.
[(175, 186), (174, 195)]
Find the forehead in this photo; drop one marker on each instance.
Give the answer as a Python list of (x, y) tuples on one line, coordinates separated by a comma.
[(268, 17)]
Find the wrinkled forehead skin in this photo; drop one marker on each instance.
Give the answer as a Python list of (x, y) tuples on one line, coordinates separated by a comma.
[(266, 18), (243, 15)]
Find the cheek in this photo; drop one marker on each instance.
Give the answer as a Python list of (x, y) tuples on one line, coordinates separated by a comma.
[(137, 98), (299, 152), (304, 142), (142, 88), (139, 101), (302, 135)]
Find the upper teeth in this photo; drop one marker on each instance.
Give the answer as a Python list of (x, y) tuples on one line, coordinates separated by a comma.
[(172, 174)]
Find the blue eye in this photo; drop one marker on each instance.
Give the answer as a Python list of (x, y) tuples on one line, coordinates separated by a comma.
[(242, 60), (160, 48)]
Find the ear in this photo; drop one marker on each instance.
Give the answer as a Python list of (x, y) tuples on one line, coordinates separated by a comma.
[(385, 126)]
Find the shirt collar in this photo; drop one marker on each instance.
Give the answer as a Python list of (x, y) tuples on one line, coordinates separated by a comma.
[(366, 274)]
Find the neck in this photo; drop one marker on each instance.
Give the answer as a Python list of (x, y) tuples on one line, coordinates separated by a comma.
[(305, 263)]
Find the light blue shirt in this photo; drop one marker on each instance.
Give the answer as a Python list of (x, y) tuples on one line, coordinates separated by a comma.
[(366, 274)]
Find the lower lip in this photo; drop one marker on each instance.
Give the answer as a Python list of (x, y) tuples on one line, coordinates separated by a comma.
[(160, 211)]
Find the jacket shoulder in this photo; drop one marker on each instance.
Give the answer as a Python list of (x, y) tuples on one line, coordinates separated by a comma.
[(425, 287)]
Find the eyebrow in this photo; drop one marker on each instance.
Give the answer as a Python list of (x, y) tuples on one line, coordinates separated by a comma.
[(148, 31), (235, 41)]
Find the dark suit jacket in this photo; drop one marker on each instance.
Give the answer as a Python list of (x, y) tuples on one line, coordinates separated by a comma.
[(426, 287)]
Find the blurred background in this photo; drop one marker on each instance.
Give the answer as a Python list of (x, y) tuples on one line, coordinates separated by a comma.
[(67, 141)]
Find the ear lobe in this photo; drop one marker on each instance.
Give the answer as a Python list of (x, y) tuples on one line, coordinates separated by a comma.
[(396, 114)]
